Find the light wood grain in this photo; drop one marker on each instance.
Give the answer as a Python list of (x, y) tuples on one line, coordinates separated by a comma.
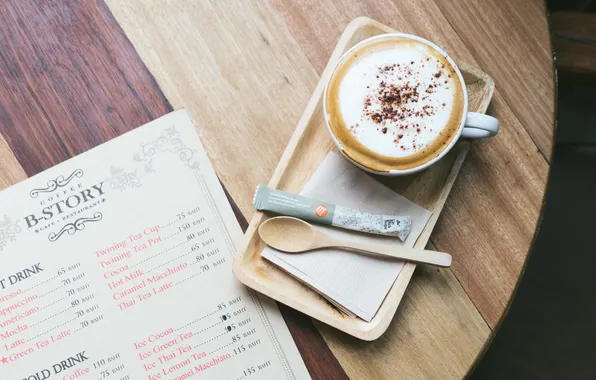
[(437, 333), (237, 70), (491, 215), (507, 39), (310, 143), (503, 180), (11, 171), (199, 51), (510, 39)]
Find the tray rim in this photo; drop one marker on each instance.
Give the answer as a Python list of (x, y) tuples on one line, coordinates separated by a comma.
[(386, 312)]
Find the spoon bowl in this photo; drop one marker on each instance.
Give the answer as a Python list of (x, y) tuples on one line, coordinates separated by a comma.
[(292, 235), (287, 234)]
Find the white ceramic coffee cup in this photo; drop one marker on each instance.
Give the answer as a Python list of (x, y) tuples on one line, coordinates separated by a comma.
[(473, 125)]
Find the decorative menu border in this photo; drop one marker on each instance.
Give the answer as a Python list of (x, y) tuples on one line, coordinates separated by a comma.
[(77, 225), (9, 230), (54, 184), (168, 141)]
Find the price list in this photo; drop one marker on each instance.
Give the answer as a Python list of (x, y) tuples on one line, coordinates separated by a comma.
[(159, 259), (121, 268), (32, 319)]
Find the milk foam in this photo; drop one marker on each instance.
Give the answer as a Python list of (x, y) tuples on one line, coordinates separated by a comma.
[(397, 100)]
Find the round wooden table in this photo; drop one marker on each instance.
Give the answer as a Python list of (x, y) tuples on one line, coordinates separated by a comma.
[(77, 73)]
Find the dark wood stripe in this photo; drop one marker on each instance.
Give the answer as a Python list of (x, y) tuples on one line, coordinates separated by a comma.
[(71, 80), (319, 360)]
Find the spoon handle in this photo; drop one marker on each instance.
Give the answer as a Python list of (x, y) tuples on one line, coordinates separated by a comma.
[(410, 254)]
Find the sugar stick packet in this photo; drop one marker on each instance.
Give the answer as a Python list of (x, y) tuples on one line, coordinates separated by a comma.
[(298, 206)]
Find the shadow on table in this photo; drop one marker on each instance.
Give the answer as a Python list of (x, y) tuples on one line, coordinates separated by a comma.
[(550, 329)]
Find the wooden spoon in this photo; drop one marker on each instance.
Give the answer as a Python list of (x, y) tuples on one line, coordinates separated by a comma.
[(293, 235)]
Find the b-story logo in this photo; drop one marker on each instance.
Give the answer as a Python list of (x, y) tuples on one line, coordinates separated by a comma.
[(65, 200)]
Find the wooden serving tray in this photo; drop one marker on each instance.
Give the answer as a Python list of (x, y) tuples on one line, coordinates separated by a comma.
[(309, 145)]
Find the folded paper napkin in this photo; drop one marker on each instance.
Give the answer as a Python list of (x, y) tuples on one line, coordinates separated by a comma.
[(355, 283)]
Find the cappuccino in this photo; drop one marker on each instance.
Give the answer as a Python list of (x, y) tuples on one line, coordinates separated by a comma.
[(394, 104)]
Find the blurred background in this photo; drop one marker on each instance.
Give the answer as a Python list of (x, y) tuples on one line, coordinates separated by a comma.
[(549, 331)]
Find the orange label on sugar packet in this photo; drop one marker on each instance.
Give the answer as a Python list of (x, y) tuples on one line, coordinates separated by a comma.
[(321, 211)]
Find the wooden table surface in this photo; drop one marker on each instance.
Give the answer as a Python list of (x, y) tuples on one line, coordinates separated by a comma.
[(75, 74)]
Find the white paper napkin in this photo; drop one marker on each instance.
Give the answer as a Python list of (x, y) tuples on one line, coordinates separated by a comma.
[(354, 282)]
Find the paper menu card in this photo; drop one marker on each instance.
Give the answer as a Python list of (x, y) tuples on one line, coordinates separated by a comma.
[(354, 282), (118, 264)]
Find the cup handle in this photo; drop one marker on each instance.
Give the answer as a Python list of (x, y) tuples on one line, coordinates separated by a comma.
[(479, 125)]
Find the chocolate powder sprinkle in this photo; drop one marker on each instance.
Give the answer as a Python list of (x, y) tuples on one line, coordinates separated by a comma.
[(376, 117), (394, 103)]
